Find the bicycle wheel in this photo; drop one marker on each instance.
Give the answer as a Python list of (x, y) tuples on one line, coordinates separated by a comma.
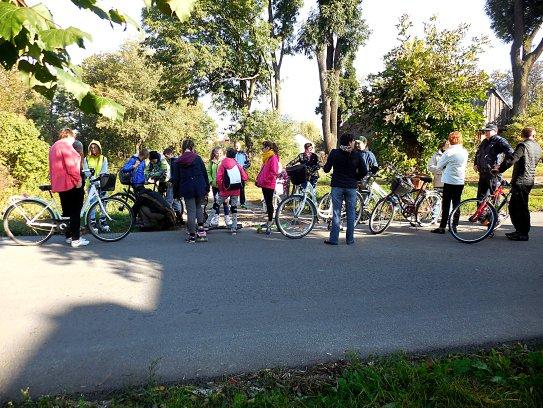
[(358, 208), (325, 207), (296, 216), (370, 201), (429, 209), (29, 222), (382, 215), (470, 223), (113, 219), (127, 198)]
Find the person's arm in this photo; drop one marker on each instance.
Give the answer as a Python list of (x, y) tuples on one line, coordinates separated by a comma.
[(329, 163), (105, 166), (244, 175), (442, 162), (175, 180), (505, 148), (206, 176), (432, 164), (362, 168), (72, 164), (512, 159), (129, 165), (294, 161)]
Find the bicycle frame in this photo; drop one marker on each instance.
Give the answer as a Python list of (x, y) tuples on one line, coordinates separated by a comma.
[(493, 198), (48, 205)]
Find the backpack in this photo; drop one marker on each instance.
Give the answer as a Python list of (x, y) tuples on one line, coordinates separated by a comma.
[(125, 176), (232, 178), (152, 211)]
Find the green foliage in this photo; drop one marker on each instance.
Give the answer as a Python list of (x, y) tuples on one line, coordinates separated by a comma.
[(14, 95), (533, 117), (312, 132), (427, 89), (502, 19), (22, 152), (503, 81)]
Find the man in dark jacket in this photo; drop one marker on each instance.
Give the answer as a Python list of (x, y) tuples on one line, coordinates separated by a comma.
[(487, 156), (349, 169), (524, 161)]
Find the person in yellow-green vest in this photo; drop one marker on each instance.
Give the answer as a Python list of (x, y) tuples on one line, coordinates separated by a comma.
[(96, 161)]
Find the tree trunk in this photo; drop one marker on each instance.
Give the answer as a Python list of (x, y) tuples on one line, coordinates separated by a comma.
[(520, 88), (334, 108), (329, 142)]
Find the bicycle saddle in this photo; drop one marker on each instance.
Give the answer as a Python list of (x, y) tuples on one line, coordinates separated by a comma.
[(45, 187), (426, 179)]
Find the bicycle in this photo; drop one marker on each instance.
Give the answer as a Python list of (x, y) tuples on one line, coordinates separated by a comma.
[(473, 219), (415, 204), (33, 220)]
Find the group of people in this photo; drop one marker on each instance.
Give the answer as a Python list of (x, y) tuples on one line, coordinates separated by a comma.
[(494, 155)]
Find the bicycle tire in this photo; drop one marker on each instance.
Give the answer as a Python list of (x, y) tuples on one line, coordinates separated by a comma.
[(324, 210), (128, 198), (281, 221), (471, 231), (370, 201), (123, 222), (17, 238), (377, 211), (437, 200)]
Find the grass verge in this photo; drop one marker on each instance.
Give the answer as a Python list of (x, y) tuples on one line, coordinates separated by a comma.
[(509, 376)]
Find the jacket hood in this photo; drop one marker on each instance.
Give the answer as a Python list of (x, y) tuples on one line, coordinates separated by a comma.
[(97, 143), (229, 163), (187, 158)]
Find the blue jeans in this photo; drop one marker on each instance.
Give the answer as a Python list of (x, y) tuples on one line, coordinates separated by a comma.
[(338, 195)]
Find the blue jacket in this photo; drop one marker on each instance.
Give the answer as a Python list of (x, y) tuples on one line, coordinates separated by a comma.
[(243, 159), (138, 175), (189, 176), (370, 160)]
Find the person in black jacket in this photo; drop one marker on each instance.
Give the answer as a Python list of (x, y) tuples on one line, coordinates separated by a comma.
[(311, 160), (190, 181), (349, 169), (487, 156), (524, 161)]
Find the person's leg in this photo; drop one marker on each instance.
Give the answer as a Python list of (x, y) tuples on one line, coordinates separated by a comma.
[(76, 198), (268, 198), (65, 205), (350, 204), (190, 203), (456, 197), (216, 206), (483, 186), (446, 204), (242, 194), (234, 201), (337, 200), (519, 209)]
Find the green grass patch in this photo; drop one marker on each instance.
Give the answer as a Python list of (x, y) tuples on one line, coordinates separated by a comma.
[(503, 377)]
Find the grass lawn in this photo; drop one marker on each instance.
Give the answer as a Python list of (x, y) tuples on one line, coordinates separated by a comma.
[(504, 377)]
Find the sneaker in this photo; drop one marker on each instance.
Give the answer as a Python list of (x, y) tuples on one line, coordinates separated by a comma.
[(519, 237), (328, 242), (511, 234), (268, 229), (191, 238), (438, 231), (201, 235), (233, 231), (93, 225), (213, 221), (104, 227), (79, 242), (243, 206), (69, 240), (228, 220)]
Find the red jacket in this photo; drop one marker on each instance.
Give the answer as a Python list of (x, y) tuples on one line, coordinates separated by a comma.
[(267, 177), (228, 164), (64, 165)]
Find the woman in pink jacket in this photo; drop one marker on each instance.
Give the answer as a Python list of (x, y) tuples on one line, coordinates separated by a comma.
[(267, 178), (65, 175), (233, 190)]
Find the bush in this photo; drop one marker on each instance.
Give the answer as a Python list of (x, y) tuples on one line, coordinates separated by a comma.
[(532, 117), (22, 153)]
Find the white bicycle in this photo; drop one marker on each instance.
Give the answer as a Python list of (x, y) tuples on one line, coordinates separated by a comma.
[(33, 220)]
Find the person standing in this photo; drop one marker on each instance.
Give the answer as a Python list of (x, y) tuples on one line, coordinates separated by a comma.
[(66, 180), (487, 157), (98, 163), (174, 203), (524, 161), (243, 160), (212, 167), (349, 169), (452, 163), (361, 145), (267, 179), (432, 165), (235, 171), (190, 181), (311, 161)]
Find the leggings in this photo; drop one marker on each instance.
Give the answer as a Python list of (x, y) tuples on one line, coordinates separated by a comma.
[(216, 205), (71, 202), (195, 213), (452, 193), (268, 199)]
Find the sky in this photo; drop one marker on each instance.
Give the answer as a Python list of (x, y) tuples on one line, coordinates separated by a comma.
[(300, 75)]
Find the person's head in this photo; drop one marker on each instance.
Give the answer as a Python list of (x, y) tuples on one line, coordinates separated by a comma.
[(455, 138), (66, 132), (154, 156), (490, 129), (361, 143), (168, 153), (528, 133), (444, 145), (78, 147), (346, 141), (143, 154), (187, 145), (94, 149), (231, 153), (237, 146), (267, 145), (216, 153), (308, 147)]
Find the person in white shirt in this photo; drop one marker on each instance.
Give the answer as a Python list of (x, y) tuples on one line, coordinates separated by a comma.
[(453, 163), (432, 164)]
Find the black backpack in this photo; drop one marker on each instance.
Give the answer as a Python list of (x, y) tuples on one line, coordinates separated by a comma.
[(232, 178)]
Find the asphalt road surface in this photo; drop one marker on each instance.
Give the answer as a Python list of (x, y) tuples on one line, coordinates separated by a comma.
[(152, 306)]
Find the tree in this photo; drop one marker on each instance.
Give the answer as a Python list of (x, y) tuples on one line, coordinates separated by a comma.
[(426, 90), (518, 22), (533, 116), (332, 35), (31, 42), (503, 81), (282, 15), (13, 93), (221, 50)]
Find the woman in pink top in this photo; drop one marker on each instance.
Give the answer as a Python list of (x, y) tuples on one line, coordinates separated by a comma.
[(65, 175), (267, 178)]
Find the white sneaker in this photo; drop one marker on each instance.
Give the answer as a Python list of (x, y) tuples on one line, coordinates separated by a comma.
[(227, 220), (79, 242), (68, 240), (214, 222)]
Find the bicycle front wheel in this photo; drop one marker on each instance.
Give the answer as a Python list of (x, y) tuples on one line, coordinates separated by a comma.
[(29, 222), (325, 207), (382, 215), (296, 216), (111, 221), (429, 209), (370, 201), (471, 222)]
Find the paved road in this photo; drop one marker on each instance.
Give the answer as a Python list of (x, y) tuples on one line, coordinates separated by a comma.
[(113, 314)]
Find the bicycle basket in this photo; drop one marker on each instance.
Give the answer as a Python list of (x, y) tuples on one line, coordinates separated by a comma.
[(401, 186), (107, 182), (297, 174), (125, 177)]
